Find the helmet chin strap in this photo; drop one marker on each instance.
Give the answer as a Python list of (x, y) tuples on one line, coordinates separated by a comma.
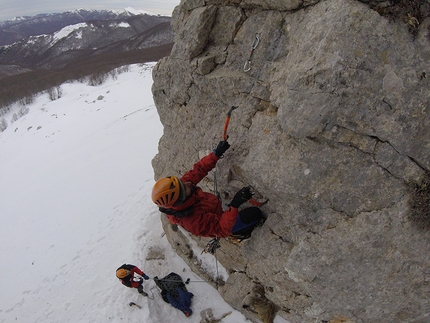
[(182, 194)]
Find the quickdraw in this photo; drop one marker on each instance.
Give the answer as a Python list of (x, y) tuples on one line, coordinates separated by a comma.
[(212, 246), (247, 66)]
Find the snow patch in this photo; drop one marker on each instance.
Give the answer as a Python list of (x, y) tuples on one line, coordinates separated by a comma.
[(121, 25), (66, 31)]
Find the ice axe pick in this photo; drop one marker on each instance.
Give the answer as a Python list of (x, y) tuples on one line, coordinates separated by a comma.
[(227, 121)]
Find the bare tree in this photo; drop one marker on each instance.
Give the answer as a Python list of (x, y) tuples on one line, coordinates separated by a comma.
[(55, 93), (3, 124)]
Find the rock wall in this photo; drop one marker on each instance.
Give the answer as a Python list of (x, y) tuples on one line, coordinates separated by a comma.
[(333, 127)]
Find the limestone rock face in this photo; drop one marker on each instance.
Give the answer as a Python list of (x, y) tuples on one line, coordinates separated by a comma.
[(333, 125)]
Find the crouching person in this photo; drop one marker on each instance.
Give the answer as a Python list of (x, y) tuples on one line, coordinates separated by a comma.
[(126, 274)]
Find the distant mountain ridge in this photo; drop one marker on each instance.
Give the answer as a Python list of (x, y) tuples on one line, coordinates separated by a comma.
[(13, 30), (47, 49), (57, 49)]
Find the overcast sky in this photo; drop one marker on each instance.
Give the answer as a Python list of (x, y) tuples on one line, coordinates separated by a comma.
[(16, 8)]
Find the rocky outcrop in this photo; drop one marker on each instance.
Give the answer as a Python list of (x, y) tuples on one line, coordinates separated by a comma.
[(333, 127)]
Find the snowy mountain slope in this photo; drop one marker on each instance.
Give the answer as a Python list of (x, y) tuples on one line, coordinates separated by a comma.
[(82, 38), (39, 50), (15, 29), (75, 205)]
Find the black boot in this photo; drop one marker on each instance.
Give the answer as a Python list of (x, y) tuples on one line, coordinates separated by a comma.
[(141, 291)]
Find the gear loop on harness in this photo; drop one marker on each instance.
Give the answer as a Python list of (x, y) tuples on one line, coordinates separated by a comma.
[(247, 66)]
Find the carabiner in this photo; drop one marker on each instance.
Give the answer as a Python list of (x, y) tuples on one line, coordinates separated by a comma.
[(256, 41), (247, 65)]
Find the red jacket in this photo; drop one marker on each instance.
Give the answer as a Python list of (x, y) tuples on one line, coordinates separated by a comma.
[(207, 218)]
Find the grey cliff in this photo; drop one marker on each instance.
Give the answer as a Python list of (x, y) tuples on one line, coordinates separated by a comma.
[(333, 127)]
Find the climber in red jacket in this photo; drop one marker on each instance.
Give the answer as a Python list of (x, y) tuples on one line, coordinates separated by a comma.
[(126, 273), (198, 212)]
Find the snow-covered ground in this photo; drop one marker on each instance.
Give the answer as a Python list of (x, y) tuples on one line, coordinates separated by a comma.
[(75, 204)]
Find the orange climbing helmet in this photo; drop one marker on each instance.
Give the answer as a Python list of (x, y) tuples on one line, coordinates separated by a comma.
[(168, 191), (121, 273)]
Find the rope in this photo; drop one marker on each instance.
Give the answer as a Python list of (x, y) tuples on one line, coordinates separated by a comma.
[(216, 185), (216, 265), (215, 179), (188, 281), (215, 245), (152, 293)]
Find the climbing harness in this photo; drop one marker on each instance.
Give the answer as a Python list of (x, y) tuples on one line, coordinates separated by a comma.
[(247, 66)]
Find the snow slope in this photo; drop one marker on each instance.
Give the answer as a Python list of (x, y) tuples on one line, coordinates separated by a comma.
[(75, 205)]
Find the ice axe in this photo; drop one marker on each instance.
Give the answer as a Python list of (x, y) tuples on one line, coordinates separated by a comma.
[(227, 121), (134, 304), (225, 137)]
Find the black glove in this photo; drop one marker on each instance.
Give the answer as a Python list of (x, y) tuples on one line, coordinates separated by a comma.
[(145, 277), (241, 197), (221, 148)]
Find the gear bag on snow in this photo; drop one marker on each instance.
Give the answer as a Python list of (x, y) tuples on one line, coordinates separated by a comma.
[(174, 292), (169, 285)]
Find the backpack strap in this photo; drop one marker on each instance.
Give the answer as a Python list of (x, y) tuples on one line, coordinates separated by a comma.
[(179, 214)]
